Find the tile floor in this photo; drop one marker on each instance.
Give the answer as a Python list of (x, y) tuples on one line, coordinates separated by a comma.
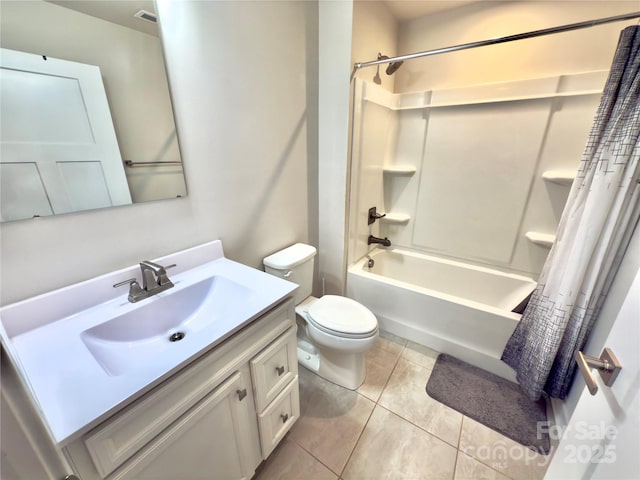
[(391, 429)]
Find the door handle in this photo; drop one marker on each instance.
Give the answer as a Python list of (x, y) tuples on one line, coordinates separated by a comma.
[(608, 366)]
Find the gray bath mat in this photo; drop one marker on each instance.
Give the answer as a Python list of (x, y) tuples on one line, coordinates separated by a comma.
[(490, 400)]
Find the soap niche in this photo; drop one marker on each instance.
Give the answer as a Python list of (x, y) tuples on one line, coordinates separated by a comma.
[(396, 179)]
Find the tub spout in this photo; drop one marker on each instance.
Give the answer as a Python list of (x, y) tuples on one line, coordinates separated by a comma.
[(385, 242)]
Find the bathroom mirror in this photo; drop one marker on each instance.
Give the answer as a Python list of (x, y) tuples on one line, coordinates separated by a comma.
[(62, 149)]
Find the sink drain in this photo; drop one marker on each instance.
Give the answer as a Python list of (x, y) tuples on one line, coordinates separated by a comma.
[(176, 337)]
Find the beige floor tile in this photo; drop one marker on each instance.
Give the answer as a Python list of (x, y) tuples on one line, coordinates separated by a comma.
[(380, 364), (501, 453), (331, 420), (384, 349), (405, 395), (391, 342), (416, 353), (291, 462), (392, 448), (468, 468)]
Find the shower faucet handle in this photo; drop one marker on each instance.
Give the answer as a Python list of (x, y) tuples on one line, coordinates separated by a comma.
[(374, 215)]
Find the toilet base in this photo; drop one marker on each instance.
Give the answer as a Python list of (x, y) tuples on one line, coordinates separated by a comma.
[(308, 356), (344, 369)]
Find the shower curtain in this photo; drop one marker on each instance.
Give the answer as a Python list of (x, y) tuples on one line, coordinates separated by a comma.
[(602, 209)]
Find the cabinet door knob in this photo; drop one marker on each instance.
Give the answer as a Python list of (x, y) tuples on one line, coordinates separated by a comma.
[(241, 393), (280, 370), (284, 417)]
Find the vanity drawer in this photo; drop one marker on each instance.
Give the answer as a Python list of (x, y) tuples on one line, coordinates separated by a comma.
[(274, 368), (279, 417)]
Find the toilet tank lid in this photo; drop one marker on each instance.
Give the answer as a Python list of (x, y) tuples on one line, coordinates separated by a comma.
[(290, 257)]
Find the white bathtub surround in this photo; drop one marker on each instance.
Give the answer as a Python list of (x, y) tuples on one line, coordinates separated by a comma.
[(602, 210), (449, 306), (465, 167)]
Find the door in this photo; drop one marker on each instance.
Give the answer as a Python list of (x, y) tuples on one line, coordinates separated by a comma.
[(59, 151), (602, 436)]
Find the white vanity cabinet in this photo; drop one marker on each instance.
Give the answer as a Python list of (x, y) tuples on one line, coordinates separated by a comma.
[(217, 418)]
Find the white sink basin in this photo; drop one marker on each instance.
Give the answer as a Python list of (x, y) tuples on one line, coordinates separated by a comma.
[(85, 351), (134, 339)]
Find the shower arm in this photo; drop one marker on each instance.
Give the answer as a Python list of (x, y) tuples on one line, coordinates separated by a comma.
[(495, 41)]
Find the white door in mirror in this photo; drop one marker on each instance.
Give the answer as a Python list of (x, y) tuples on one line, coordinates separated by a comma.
[(59, 148)]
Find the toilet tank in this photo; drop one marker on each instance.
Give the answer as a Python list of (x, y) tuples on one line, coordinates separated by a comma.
[(294, 263)]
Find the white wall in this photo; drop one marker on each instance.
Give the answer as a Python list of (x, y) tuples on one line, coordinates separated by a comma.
[(334, 66), (238, 72), (134, 76)]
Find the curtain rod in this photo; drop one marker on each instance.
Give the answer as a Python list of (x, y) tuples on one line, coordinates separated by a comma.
[(494, 41)]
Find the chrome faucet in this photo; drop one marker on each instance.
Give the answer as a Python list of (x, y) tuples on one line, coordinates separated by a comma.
[(385, 242), (154, 280)]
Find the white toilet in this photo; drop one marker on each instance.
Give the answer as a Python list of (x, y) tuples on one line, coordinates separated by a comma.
[(336, 331)]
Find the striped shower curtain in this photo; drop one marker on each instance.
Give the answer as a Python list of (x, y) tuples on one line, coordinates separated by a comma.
[(601, 212)]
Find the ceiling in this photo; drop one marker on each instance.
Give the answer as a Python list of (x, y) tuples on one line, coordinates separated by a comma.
[(120, 12), (404, 10)]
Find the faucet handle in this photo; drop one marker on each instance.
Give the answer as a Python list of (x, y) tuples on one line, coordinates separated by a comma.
[(374, 215), (130, 281), (135, 290)]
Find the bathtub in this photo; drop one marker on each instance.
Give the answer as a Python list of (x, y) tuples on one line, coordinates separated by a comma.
[(449, 306)]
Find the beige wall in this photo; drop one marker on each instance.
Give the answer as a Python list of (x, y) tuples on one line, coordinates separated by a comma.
[(577, 51), (134, 76), (374, 31), (238, 72)]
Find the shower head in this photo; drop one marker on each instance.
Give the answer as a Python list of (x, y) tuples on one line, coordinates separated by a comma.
[(393, 66)]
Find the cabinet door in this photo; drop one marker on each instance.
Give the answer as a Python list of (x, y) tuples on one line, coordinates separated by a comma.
[(205, 443)]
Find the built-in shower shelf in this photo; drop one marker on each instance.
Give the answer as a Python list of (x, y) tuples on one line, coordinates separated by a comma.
[(561, 177), (396, 218), (543, 239), (515, 98), (399, 170)]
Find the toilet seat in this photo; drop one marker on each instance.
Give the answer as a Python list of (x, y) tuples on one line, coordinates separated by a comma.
[(342, 317)]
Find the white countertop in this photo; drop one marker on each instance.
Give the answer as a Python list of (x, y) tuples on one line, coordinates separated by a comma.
[(73, 391)]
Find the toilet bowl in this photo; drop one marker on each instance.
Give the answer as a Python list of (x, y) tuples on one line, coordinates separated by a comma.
[(335, 331)]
